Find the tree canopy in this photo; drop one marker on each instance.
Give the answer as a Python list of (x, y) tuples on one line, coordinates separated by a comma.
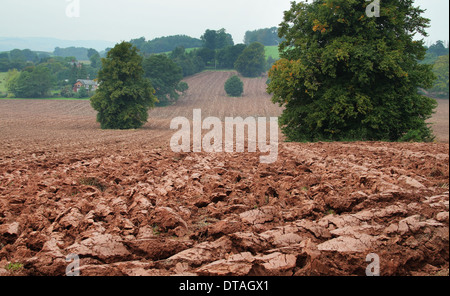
[(124, 95), (252, 61), (226, 57), (165, 76), (165, 44), (33, 82), (346, 76), (440, 70), (266, 36), (438, 49), (213, 39), (189, 62)]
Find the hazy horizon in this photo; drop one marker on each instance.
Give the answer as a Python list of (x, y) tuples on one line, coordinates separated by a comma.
[(116, 20)]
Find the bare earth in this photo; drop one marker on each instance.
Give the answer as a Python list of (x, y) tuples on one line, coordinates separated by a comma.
[(128, 205)]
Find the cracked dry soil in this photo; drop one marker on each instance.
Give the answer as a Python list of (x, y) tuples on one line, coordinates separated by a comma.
[(319, 210)]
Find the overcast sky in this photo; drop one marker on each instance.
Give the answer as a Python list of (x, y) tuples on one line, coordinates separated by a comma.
[(116, 20)]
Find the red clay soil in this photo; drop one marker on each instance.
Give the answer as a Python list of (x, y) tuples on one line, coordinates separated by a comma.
[(128, 205)]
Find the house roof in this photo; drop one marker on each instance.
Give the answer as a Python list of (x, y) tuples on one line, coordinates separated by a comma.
[(87, 82)]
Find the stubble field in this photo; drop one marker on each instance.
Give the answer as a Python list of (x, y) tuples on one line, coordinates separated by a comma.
[(128, 205)]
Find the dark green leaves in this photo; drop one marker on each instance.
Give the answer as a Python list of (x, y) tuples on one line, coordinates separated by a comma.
[(234, 86), (124, 95), (346, 76), (252, 61), (165, 76)]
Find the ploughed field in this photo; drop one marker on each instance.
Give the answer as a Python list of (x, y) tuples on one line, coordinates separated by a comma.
[(128, 205)]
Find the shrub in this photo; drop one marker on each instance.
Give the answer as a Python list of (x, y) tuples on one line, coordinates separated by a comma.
[(234, 86)]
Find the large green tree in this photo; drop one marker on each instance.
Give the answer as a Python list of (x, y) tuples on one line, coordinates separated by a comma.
[(252, 61), (347, 76), (190, 62), (226, 57), (213, 39), (165, 76), (124, 95), (32, 82)]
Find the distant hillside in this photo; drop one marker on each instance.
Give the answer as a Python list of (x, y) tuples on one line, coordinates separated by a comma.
[(166, 44), (49, 44)]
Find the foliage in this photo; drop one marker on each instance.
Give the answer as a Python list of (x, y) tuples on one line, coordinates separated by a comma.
[(3, 76), (124, 95), (438, 49), (165, 44), (64, 71), (82, 93), (17, 59), (96, 61), (182, 87), (269, 63), (165, 76), (67, 92), (267, 36), (421, 134), (213, 39), (11, 78), (79, 53), (346, 76), (189, 62), (252, 61), (207, 55), (440, 70), (434, 52), (234, 86), (33, 82), (14, 267), (226, 57)]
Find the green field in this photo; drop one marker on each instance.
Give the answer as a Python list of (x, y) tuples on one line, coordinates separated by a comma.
[(272, 51)]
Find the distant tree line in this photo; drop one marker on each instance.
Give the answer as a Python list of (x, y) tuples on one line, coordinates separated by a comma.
[(166, 71), (440, 70), (434, 51), (214, 50), (219, 52), (438, 56), (80, 53), (33, 75), (19, 59), (179, 56), (267, 36), (165, 44)]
